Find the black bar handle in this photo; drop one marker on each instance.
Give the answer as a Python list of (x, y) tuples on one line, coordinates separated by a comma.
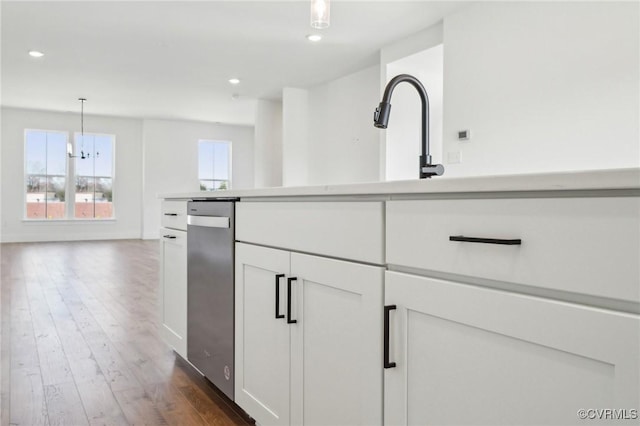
[(289, 281), (170, 237), (171, 214), (513, 242), (387, 309), (278, 314)]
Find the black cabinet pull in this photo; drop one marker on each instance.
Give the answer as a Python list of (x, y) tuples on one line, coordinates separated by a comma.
[(289, 281), (169, 237), (514, 242), (278, 314), (387, 309), (171, 214)]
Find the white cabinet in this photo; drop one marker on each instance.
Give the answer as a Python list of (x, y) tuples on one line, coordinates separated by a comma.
[(173, 275), (493, 318), (471, 355), (586, 245), (174, 214), (173, 289), (351, 230), (308, 338), (262, 341), (337, 342)]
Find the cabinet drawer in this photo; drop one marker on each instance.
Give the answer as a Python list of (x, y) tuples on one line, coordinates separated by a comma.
[(347, 230), (174, 214), (174, 237), (581, 245)]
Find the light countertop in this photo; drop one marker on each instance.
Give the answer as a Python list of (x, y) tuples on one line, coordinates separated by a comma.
[(617, 179)]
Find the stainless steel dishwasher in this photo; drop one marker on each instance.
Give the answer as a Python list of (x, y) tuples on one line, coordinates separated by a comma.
[(210, 284)]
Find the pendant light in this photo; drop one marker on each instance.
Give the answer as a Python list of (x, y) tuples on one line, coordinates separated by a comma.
[(82, 101), (320, 14), (82, 155), (69, 145)]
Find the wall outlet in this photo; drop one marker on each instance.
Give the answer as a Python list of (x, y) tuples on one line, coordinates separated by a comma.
[(454, 157)]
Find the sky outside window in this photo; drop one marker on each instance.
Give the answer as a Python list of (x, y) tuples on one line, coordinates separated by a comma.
[(46, 152), (214, 164)]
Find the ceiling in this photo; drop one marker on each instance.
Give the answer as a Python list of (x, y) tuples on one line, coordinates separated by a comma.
[(159, 59)]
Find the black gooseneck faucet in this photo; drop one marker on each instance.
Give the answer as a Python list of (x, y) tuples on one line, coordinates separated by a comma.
[(381, 120)]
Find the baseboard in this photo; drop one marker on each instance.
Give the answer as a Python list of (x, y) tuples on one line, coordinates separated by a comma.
[(40, 238), (151, 235)]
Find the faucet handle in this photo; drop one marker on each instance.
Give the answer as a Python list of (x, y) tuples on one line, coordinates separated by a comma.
[(429, 170)]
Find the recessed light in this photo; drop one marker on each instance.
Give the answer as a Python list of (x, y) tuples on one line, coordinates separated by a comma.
[(234, 81), (314, 37), (36, 54)]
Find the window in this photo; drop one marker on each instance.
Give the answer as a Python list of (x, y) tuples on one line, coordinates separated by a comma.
[(60, 187), (46, 172), (214, 165), (93, 176)]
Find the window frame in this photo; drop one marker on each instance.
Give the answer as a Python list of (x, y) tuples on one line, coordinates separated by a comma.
[(73, 176), (70, 179), (25, 216), (229, 161)]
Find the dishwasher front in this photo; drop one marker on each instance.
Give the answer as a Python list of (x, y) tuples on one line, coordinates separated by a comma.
[(210, 290)]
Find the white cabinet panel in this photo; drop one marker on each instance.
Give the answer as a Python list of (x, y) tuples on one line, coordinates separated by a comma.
[(337, 342), (320, 362), (468, 355), (347, 230), (581, 245), (262, 341), (174, 214), (173, 289)]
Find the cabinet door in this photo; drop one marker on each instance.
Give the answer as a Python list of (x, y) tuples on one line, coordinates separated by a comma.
[(469, 355), (336, 343), (173, 289), (261, 340)]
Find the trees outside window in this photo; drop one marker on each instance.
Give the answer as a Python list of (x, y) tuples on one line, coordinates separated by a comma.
[(45, 174), (93, 176), (61, 187)]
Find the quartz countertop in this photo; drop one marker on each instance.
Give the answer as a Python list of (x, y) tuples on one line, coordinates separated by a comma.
[(595, 180)]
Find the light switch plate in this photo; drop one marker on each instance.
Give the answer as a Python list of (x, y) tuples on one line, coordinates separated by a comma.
[(454, 157)]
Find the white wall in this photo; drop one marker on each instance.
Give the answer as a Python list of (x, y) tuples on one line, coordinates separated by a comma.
[(268, 144), (543, 86), (396, 58), (403, 136), (343, 143), (127, 191), (328, 133), (152, 157), (295, 136), (1, 301), (171, 161)]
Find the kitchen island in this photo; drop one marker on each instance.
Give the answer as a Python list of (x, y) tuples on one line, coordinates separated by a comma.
[(503, 299)]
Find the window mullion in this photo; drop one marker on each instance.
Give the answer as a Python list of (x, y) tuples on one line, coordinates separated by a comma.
[(95, 179), (71, 179), (46, 175)]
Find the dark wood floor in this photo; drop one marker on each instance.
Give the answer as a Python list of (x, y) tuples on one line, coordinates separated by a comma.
[(80, 343)]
